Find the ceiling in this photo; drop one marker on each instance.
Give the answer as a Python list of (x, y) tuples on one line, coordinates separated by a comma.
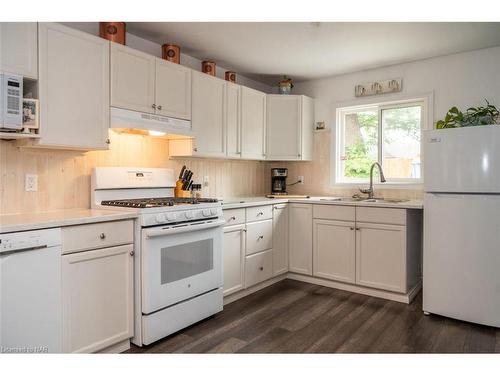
[(266, 50)]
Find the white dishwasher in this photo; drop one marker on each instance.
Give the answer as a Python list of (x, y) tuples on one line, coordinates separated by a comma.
[(30, 291)]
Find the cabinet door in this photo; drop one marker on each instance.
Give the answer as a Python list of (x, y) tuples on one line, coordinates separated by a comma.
[(173, 90), (280, 239), (234, 258), (208, 115), (334, 250), (74, 88), (284, 127), (300, 238), (253, 123), (132, 79), (97, 299), (19, 48), (232, 119), (381, 256)]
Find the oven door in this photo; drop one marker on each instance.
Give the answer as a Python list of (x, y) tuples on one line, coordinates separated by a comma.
[(180, 262)]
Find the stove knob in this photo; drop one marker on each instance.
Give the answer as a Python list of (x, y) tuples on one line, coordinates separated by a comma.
[(206, 213), (171, 216), (213, 211), (189, 215)]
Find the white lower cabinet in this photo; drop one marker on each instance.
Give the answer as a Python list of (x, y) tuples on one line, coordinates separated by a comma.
[(259, 236), (280, 239), (334, 250), (97, 290), (300, 238), (250, 235), (381, 256), (258, 268), (234, 258)]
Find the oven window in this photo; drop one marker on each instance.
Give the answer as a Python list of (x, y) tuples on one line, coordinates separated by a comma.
[(186, 260)]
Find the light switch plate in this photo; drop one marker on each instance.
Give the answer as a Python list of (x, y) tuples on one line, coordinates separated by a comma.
[(31, 182)]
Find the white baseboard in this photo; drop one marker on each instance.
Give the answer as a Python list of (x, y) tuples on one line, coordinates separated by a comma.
[(392, 296), (116, 348)]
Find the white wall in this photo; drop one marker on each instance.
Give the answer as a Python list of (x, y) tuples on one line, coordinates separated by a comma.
[(153, 48), (461, 80)]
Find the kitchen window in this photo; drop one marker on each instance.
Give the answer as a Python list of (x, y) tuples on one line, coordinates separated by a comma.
[(389, 133)]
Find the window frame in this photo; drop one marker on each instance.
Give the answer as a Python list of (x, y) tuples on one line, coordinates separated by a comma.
[(341, 109)]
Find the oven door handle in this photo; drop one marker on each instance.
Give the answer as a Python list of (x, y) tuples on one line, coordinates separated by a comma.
[(182, 228)]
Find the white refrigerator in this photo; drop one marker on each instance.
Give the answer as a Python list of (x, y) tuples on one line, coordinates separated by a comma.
[(461, 264)]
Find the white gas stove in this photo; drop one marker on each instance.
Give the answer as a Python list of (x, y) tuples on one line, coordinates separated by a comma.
[(178, 248)]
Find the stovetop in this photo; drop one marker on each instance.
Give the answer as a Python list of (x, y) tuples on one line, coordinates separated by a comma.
[(156, 202)]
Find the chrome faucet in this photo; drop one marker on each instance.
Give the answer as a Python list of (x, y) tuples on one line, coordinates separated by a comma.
[(369, 191)]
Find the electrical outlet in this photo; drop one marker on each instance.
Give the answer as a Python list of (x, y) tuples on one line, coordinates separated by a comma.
[(31, 182), (205, 181), (301, 180)]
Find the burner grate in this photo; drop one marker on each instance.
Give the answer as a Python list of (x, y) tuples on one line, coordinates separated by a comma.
[(155, 202)]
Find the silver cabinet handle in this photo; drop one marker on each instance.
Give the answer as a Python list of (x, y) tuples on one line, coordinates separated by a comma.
[(261, 268), (108, 141), (358, 228), (244, 230), (159, 107), (102, 236), (232, 218), (351, 228), (153, 106), (195, 149), (260, 213), (260, 238), (299, 155), (132, 253)]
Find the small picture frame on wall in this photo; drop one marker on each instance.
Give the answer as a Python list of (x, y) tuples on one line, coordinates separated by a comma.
[(30, 113)]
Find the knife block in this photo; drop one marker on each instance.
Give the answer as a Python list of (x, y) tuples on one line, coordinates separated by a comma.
[(179, 193)]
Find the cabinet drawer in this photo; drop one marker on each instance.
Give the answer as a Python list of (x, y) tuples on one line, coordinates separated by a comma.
[(259, 236), (234, 216), (259, 213), (381, 215), (93, 236), (330, 212), (258, 268)]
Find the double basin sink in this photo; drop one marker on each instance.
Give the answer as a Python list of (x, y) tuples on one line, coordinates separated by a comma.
[(361, 199)]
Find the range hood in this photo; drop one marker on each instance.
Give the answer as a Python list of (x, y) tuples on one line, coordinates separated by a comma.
[(127, 121)]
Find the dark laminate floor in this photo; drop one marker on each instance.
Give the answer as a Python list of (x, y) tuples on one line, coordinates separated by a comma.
[(296, 317)]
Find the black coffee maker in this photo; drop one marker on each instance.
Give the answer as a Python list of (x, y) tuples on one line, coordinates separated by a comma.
[(278, 181)]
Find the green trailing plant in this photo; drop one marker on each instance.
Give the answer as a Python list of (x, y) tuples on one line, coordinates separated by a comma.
[(473, 116)]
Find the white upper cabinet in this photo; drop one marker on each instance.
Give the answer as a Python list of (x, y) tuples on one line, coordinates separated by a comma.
[(253, 124), (233, 120), (145, 83), (19, 48), (289, 127), (73, 88), (132, 79), (208, 115), (173, 90)]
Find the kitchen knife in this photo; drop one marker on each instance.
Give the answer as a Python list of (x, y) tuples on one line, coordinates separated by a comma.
[(189, 186), (189, 176), (182, 172), (185, 175)]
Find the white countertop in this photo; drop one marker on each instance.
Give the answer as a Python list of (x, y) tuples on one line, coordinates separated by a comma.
[(239, 202), (59, 218)]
